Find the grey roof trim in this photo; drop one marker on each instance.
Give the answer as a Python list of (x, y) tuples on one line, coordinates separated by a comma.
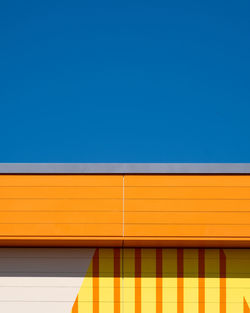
[(124, 168)]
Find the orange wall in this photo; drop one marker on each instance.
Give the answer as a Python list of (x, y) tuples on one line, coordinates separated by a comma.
[(111, 210)]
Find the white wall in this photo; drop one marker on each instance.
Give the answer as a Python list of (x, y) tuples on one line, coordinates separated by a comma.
[(41, 280)]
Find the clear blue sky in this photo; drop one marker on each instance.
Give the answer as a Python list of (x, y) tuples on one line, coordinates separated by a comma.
[(125, 81)]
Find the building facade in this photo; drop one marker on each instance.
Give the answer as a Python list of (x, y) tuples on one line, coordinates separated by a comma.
[(125, 238)]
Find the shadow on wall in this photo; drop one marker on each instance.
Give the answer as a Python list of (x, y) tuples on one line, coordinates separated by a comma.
[(68, 262), (44, 262)]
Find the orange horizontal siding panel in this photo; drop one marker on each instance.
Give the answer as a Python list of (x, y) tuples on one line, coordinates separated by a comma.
[(31, 192), (186, 205), (159, 210), (187, 218), (63, 217), (205, 193), (61, 229), (61, 205), (187, 230), (63, 241), (186, 180)]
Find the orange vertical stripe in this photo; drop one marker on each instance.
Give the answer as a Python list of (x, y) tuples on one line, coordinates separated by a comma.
[(116, 280), (75, 306), (223, 296), (180, 291), (96, 281), (201, 280), (158, 280), (137, 280), (245, 306)]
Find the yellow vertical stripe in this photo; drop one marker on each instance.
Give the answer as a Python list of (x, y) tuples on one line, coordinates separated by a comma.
[(191, 287), (148, 281), (85, 295), (106, 280), (212, 281), (169, 273), (129, 281)]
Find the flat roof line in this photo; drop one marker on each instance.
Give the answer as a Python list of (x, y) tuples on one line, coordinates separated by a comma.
[(124, 168)]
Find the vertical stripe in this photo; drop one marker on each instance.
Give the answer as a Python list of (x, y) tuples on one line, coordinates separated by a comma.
[(201, 280), (137, 280), (158, 280), (96, 281), (223, 297), (117, 281), (128, 280), (180, 291), (75, 306), (245, 306)]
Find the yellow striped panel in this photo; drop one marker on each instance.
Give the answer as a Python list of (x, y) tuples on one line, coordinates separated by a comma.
[(169, 273), (148, 281), (237, 281)]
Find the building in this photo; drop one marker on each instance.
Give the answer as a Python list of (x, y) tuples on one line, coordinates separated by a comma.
[(125, 238)]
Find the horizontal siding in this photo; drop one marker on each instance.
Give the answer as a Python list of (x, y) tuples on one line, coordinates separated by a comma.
[(186, 205), (60, 230), (54, 192), (214, 193), (119, 208), (195, 206), (197, 218), (187, 230), (61, 205), (186, 180)]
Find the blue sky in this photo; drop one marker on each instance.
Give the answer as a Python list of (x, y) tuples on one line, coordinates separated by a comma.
[(125, 81)]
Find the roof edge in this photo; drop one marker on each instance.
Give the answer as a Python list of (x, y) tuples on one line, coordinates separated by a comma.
[(124, 168)]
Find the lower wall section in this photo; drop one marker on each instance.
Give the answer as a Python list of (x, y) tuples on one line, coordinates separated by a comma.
[(166, 280), (41, 280), (124, 280)]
